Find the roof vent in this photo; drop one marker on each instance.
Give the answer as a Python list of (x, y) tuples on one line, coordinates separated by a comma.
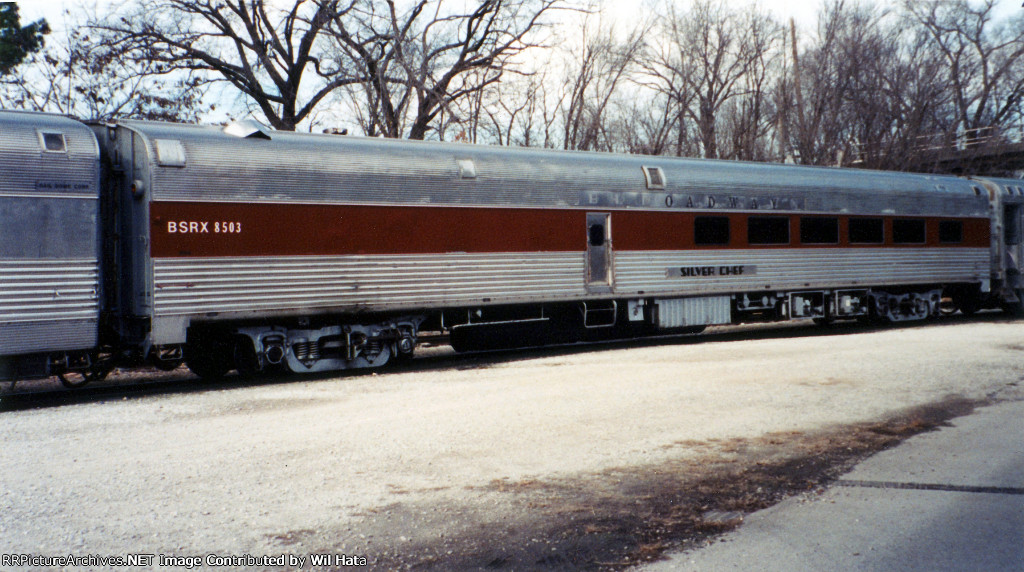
[(655, 178), (467, 168), (169, 153), (247, 129)]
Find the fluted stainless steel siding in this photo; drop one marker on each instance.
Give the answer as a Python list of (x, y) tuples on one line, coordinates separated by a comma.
[(794, 269), (48, 305), (28, 171), (49, 236), (197, 287), (696, 311)]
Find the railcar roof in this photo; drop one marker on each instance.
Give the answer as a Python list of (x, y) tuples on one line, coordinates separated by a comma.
[(623, 172)]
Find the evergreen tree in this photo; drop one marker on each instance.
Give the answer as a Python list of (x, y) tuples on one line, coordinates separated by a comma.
[(16, 42)]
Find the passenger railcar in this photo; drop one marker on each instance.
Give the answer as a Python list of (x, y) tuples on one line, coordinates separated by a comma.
[(249, 249)]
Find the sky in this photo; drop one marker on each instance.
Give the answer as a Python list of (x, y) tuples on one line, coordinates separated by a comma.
[(802, 11), (622, 12)]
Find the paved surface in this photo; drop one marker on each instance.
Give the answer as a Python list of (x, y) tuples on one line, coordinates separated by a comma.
[(952, 499)]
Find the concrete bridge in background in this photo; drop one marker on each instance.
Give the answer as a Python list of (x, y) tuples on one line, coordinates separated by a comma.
[(997, 151), (993, 151)]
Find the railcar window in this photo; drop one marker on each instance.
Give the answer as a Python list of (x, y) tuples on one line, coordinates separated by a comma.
[(711, 230), (655, 178), (908, 231), (53, 142), (1011, 224), (866, 231), (951, 231), (768, 230), (596, 232), (819, 230)]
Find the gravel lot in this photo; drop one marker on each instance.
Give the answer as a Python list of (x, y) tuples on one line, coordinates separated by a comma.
[(565, 458)]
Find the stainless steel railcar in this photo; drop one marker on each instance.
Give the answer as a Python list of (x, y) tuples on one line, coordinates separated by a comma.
[(49, 243), (241, 248)]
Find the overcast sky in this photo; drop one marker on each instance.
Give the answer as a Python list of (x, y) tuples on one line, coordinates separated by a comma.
[(623, 12), (801, 10)]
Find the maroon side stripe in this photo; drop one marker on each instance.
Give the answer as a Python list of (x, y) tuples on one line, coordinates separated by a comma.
[(182, 229), (239, 229)]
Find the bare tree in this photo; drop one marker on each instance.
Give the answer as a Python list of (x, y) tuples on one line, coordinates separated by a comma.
[(711, 37), (751, 114), (700, 62), (513, 113), (866, 91), (822, 80), (648, 123), (416, 63), (983, 61), (897, 95), (666, 71), (272, 56), (594, 77)]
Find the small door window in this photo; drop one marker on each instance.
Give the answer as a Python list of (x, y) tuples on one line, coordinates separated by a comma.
[(1011, 224), (596, 233)]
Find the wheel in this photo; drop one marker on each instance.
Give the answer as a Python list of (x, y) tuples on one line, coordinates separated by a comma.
[(208, 366), (246, 361), (947, 307), (404, 347), (209, 357), (1013, 309), (967, 305), (73, 379), (100, 366)]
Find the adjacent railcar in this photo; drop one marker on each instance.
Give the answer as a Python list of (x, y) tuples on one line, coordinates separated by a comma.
[(248, 249), (49, 243), (1006, 198)]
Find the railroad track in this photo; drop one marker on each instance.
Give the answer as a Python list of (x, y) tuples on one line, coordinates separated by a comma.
[(433, 354)]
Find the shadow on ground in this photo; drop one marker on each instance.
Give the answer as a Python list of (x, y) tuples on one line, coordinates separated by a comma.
[(617, 518)]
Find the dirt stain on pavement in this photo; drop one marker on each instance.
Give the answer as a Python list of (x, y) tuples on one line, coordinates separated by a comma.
[(619, 517)]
